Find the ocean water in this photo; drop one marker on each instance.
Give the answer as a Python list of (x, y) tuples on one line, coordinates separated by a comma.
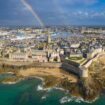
[(30, 92)]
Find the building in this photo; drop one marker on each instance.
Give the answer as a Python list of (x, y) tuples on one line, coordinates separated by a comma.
[(38, 56), (54, 56), (18, 56)]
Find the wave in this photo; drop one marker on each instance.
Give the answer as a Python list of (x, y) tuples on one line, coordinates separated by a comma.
[(57, 88), (67, 99), (41, 88), (44, 97)]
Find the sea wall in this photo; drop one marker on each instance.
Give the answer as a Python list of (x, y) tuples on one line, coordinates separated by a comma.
[(69, 66)]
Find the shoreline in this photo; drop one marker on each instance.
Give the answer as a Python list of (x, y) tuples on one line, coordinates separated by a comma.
[(42, 88), (48, 88), (44, 72), (88, 89)]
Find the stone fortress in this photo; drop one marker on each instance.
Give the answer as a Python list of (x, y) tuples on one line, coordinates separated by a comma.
[(94, 57)]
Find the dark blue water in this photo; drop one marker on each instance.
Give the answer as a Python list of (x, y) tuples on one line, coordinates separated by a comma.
[(29, 92)]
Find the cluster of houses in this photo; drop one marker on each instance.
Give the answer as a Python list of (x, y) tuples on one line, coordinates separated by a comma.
[(36, 55), (96, 30), (54, 50)]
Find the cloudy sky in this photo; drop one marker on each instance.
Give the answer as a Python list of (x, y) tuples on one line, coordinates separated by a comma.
[(52, 12)]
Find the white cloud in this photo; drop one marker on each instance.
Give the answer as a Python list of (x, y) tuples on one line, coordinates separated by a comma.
[(88, 14), (85, 2)]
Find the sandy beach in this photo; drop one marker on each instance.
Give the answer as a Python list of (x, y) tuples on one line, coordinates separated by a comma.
[(56, 72)]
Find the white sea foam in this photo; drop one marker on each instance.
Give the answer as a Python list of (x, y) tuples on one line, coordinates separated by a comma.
[(68, 99), (65, 99), (40, 88), (57, 88), (91, 101), (78, 99), (61, 89), (44, 97)]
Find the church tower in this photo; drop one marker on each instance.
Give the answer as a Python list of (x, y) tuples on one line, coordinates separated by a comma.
[(48, 44), (49, 38)]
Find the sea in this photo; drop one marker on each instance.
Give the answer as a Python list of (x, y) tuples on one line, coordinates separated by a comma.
[(31, 92)]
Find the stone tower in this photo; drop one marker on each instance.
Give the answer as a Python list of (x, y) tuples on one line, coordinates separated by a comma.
[(83, 72), (49, 39), (48, 44)]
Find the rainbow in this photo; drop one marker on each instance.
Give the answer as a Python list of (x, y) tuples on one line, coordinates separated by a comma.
[(34, 13)]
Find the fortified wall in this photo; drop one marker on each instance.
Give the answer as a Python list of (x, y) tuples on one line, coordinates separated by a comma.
[(84, 68), (72, 67)]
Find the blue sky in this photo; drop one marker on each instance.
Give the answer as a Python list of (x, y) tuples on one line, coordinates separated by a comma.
[(53, 12)]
